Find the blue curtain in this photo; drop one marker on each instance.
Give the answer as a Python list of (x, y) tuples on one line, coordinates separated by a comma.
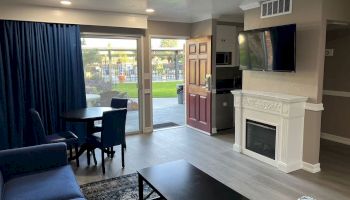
[(40, 67)]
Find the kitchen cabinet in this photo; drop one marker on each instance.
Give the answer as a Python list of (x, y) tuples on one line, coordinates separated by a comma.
[(227, 41)]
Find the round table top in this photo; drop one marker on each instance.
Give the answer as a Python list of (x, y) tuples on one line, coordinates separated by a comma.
[(86, 114)]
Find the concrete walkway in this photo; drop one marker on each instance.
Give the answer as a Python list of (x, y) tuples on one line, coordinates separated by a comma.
[(168, 110), (164, 110)]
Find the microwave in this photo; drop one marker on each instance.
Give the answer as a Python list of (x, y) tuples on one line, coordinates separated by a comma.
[(224, 58)]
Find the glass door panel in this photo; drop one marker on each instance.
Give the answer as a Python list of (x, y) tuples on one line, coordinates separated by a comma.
[(111, 70)]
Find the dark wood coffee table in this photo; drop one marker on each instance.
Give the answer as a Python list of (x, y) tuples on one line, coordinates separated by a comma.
[(179, 180)]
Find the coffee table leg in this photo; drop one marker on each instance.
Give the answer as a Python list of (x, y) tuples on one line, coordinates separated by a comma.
[(140, 187)]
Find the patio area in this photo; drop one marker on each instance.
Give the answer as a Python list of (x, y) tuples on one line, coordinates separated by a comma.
[(165, 110)]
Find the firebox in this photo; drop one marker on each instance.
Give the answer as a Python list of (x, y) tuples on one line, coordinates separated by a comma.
[(261, 138)]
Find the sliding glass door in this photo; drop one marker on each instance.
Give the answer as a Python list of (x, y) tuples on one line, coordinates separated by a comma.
[(111, 70)]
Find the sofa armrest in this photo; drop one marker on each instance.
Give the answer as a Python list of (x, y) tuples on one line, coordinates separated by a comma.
[(19, 161), (1, 185)]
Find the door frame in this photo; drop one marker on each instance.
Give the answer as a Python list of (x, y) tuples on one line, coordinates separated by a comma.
[(140, 66), (151, 68)]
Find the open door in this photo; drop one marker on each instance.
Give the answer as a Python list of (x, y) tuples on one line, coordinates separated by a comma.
[(198, 83)]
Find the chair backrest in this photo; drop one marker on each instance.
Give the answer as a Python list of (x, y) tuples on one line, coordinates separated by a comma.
[(113, 128), (119, 103), (38, 127)]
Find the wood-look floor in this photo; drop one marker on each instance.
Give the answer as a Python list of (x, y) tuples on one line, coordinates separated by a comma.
[(215, 156)]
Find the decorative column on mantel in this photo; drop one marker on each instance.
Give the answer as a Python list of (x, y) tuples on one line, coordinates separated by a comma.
[(285, 112)]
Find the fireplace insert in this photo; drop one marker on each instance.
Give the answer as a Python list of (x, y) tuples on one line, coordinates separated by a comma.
[(261, 138)]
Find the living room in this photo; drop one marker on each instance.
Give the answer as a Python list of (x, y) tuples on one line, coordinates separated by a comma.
[(74, 73)]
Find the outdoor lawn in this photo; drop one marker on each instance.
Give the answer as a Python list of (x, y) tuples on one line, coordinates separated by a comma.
[(160, 89)]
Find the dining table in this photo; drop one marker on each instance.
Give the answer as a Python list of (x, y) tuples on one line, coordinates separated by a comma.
[(89, 116)]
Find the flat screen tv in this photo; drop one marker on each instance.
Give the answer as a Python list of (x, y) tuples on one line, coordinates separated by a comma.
[(268, 49)]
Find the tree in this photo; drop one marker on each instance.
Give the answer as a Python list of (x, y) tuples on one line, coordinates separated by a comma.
[(168, 43), (91, 56)]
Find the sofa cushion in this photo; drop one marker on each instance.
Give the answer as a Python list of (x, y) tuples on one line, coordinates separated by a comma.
[(57, 183), (1, 185)]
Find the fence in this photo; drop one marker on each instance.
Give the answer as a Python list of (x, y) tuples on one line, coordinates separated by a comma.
[(166, 66)]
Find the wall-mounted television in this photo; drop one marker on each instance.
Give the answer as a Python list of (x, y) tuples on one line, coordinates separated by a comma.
[(268, 49)]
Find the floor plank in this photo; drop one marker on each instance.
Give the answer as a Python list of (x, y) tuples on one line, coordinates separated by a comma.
[(215, 156)]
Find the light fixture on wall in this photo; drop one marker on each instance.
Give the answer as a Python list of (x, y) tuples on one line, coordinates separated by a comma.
[(66, 2), (150, 10)]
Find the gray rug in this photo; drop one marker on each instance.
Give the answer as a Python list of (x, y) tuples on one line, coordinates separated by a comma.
[(123, 188), (165, 125)]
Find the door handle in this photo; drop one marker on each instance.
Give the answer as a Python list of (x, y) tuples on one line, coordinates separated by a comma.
[(208, 81)]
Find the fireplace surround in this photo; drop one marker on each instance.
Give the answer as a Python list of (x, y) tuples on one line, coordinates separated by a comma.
[(270, 118)]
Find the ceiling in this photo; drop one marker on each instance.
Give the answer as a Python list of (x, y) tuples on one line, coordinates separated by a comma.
[(165, 10)]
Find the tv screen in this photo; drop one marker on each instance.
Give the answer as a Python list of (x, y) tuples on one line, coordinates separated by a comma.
[(268, 49)]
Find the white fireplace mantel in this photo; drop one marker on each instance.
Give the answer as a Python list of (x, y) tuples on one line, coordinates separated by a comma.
[(285, 112)]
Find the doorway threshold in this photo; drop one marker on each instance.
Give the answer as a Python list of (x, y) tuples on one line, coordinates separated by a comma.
[(164, 126)]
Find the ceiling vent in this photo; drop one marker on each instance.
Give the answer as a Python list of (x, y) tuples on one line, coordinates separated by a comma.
[(271, 8)]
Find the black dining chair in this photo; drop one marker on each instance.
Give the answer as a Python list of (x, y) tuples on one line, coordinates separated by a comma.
[(115, 103), (67, 136), (119, 103), (112, 134)]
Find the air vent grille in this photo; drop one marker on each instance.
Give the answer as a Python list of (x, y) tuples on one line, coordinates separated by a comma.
[(273, 8)]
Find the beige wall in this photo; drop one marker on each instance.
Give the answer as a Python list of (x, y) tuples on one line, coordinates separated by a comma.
[(203, 28), (172, 29), (335, 119), (336, 10), (307, 79), (312, 135), (70, 16)]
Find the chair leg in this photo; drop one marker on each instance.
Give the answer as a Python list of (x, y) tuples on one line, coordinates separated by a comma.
[(70, 152), (94, 156), (76, 154), (108, 151), (112, 152), (103, 161), (123, 165), (124, 145), (88, 157)]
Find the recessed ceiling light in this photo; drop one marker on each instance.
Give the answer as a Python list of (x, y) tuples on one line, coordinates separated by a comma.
[(66, 2), (150, 10)]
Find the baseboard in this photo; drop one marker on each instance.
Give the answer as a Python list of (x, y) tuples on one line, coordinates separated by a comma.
[(335, 138), (290, 167), (311, 168), (237, 148)]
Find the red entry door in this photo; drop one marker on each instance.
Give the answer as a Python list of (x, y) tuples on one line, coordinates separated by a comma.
[(198, 80)]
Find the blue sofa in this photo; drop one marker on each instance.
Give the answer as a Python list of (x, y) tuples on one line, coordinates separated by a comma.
[(37, 173)]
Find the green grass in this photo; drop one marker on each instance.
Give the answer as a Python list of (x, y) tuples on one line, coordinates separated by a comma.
[(160, 89)]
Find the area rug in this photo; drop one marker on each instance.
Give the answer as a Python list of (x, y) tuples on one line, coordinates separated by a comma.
[(123, 188), (165, 125)]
